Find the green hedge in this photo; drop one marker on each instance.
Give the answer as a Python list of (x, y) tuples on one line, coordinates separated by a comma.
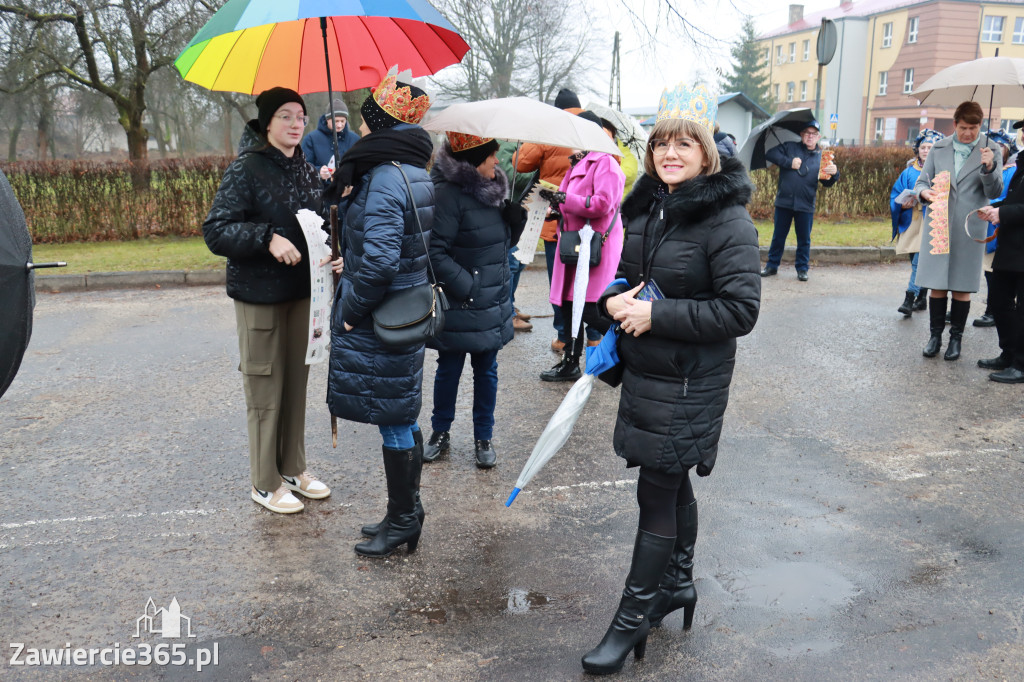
[(67, 201)]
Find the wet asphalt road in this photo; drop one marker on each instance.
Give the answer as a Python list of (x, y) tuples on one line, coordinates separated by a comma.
[(863, 522)]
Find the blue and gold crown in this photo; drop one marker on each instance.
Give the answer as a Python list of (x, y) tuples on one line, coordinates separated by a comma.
[(690, 103)]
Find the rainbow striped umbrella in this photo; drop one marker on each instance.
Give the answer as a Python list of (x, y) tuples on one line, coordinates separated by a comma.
[(252, 45)]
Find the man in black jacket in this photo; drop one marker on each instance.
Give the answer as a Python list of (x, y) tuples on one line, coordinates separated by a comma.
[(1006, 293), (799, 166)]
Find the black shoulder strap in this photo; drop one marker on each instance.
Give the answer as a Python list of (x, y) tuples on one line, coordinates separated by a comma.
[(416, 214)]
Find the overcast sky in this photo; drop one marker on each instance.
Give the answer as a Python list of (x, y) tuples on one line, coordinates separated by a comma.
[(649, 66)]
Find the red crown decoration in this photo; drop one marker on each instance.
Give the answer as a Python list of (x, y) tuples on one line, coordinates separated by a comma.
[(399, 102), (460, 142)]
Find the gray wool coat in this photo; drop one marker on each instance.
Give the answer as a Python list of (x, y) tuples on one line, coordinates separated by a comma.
[(960, 269)]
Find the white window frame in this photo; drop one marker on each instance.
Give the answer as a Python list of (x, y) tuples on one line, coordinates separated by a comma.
[(790, 91), (883, 83), (803, 91), (767, 56), (908, 81), (879, 128), (1018, 31), (912, 25), (792, 52), (779, 57), (807, 49), (887, 34), (989, 33), (777, 93)]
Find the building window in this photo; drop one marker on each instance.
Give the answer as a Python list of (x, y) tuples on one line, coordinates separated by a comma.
[(879, 128), (887, 34), (908, 81), (912, 30), (803, 91), (790, 88), (779, 59), (992, 30), (1018, 31), (807, 50), (883, 83), (792, 52), (776, 86), (767, 56)]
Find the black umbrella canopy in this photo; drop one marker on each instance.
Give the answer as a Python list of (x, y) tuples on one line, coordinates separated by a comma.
[(785, 126), (17, 290)]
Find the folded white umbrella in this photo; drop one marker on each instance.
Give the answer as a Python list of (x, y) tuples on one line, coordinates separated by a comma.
[(996, 80), (521, 119), (630, 132)]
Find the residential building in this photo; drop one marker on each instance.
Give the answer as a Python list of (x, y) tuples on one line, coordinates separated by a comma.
[(886, 49)]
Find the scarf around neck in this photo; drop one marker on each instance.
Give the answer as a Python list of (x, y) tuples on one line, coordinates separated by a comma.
[(406, 144)]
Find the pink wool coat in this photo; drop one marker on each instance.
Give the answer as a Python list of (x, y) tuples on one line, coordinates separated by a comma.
[(597, 177)]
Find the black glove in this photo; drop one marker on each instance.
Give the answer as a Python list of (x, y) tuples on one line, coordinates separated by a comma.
[(514, 216), (333, 191), (552, 197), (555, 214)]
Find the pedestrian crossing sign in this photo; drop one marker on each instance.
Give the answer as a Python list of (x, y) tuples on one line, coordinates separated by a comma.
[(833, 118)]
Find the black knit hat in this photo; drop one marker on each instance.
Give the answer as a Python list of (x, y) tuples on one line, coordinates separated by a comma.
[(269, 101), (590, 116), (567, 99), (474, 156)]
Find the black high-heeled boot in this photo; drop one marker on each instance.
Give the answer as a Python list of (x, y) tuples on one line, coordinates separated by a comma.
[(630, 624), (400, 526), (936, 323), (957, 323), (371, 530), (677, 588)]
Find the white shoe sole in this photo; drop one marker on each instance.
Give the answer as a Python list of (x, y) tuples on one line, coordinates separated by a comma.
[(266, 503), (312, 496)]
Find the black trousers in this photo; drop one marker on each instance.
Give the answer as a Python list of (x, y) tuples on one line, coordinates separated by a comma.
[(1006, 299), (591, 318), (658, 495)]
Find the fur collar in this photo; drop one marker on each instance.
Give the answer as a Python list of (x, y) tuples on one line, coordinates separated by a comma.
[(697, 198), (466, 177)]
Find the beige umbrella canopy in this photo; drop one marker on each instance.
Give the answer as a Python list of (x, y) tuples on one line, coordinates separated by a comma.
[(996, 80)]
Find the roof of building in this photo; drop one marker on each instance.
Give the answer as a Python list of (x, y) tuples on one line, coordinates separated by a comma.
[(865, 8), (745, 102)]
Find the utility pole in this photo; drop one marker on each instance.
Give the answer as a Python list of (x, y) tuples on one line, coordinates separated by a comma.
[(615, 87)]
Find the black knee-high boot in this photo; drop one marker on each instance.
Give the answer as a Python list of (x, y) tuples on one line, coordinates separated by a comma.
[(677, 588), (630, 624), (936, 323), (400, 526), (371, 530), (957, 322)]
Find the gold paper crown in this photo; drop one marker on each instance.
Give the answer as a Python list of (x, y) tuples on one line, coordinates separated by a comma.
[(460, 142), (690, 104), (398, 101)]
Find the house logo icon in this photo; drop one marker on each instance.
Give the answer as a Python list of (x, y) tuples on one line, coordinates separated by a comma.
[(165, 622)]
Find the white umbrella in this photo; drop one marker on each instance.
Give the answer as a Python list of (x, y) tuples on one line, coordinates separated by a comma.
[(581, 279), (630, 132), (1000, 80), (521, 119)]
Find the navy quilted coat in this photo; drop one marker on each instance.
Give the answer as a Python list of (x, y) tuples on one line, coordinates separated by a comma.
[(675, 383), (469, 250), (259, 195), (383, 252)]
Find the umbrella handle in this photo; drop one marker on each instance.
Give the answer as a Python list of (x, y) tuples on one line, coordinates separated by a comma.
[(512, 497), (36, 266)]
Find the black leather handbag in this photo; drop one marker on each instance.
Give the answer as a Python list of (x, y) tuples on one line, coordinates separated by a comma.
[(409, 317), (569, 244)]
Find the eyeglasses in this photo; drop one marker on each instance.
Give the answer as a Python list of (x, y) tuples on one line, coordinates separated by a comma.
[(810, 133), (661, 147), (289, 119)]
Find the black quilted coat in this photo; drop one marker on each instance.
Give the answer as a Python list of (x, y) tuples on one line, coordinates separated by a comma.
[(469, 250), (676, 377), (368, 382), (259, 195)]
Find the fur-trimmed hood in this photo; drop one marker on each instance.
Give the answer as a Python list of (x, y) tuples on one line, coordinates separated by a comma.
[(697, 198), (466, 177)]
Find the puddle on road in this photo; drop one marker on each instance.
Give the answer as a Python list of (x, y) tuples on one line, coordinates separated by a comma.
[(791, 587), (515, 600)]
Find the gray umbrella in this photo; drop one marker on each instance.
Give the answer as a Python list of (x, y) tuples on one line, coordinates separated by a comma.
[(17, 280), (785, 126)]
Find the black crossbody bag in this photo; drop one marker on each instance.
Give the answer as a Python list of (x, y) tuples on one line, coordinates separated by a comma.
[(569, 242)]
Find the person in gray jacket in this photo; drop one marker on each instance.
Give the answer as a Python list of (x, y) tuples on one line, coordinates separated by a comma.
[(953, 264)]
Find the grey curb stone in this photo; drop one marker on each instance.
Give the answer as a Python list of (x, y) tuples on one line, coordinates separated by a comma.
[(147, 279), (841, 255)]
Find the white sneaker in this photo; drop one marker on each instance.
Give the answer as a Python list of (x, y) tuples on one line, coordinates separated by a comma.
[(280, 501), (307, 485)]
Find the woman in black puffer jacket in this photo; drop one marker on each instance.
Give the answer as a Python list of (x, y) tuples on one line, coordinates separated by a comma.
[(689, 233), (469, 250), (252, 222)]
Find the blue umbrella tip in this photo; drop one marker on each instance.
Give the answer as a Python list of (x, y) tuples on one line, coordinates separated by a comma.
[(512, 497)]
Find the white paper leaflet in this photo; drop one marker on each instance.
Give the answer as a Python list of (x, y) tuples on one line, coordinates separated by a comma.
[(321, 286)]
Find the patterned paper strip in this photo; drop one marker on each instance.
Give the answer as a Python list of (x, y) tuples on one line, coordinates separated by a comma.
[(938, 213)]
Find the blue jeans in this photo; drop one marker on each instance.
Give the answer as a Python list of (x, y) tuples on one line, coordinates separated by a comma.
[(550, 253), (485, 391), (398, 436), (802, 221), (515, 269), (912, 287)]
